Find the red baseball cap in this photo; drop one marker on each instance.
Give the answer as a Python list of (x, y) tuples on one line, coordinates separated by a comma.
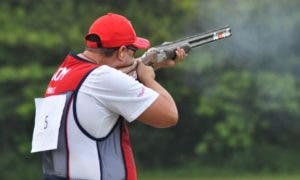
[(114, 31)]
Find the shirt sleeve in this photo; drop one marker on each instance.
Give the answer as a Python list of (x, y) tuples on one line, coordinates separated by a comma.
[(119, 92)]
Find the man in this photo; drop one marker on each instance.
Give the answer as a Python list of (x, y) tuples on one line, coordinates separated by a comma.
[(101, 97)]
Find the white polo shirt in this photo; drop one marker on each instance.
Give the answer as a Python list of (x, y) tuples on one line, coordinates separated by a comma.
[(107, 93)]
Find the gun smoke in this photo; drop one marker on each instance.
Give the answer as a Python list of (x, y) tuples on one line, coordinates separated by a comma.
[(265, 33), (264, 39)]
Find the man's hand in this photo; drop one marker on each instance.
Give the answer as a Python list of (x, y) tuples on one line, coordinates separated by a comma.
[(140, 71), (130, 70), (144, 73)]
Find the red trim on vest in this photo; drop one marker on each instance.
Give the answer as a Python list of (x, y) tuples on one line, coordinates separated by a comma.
[(68, 75), (127, 154)]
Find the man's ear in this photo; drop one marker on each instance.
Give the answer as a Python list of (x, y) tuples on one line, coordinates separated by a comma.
[(121, 53)]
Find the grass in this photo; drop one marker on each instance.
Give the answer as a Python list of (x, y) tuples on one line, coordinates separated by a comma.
[(212, 175), (232, 177)]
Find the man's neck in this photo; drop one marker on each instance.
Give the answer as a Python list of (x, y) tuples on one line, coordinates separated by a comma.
[(93, 57), (88, 58), (98, 58)]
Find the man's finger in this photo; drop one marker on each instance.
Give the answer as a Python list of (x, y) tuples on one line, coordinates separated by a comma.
[(129, 68), (179, 55)]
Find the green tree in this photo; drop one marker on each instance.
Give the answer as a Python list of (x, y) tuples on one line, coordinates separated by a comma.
[(34, 38)]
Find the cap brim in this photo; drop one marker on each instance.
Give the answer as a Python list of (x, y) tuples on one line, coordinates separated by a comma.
[(141, 43)]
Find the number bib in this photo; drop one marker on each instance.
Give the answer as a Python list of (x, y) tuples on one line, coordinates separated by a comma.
[(48, 115)]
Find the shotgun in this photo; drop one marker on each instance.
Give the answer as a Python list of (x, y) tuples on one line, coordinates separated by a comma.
[(167, 50)]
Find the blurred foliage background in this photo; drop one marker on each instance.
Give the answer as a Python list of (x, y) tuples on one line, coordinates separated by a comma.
[(238, 99)]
